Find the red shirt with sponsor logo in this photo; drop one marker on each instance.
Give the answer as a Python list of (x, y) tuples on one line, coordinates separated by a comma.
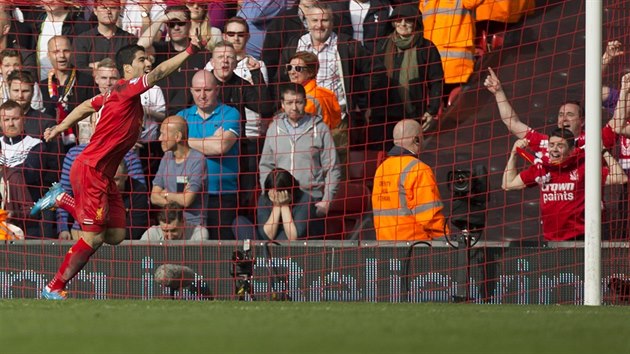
[(118, 127), (561, 198), (539, 142)]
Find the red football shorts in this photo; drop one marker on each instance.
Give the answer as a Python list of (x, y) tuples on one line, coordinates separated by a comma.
[(99, 204)]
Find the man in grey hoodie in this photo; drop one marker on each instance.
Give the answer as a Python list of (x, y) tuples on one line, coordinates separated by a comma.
[(302, 144)]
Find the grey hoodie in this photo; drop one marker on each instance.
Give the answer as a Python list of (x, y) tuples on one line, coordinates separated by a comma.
[(310, 156)]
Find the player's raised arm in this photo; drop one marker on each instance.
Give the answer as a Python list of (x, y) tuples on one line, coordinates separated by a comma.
[(619, 122), (169, 66), (616, 175), (84, 110), (508, 114)]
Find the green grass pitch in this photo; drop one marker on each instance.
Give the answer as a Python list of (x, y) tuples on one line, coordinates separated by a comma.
[(166, 326)]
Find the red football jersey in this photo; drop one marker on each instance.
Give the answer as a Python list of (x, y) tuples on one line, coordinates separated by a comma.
[(118, 127), (562, 197), (539, 142)]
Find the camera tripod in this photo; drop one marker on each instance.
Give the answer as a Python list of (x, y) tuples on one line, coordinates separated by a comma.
[(465, 239), (243, 271)]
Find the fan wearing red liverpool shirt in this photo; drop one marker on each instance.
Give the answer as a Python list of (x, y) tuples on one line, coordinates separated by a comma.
[(561, 178), (570, 116), (97, 203)]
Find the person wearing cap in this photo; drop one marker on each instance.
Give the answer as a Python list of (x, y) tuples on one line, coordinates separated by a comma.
[(177, 19), (411, 63)]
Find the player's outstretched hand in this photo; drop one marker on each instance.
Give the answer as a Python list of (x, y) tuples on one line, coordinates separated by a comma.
[(492, 82), (51, 133)]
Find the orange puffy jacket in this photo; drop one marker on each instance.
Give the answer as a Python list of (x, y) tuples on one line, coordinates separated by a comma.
[(322, 101)]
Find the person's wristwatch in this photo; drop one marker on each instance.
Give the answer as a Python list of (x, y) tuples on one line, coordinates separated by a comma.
[(144, 14)]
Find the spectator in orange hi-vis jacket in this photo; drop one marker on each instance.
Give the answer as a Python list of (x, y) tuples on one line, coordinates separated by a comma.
[(451, 27), (497, 21), (302, 69), (405, 198), (506, 11)]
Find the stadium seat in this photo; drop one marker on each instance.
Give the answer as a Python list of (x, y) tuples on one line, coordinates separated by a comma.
[(349, 211), (362, 165)]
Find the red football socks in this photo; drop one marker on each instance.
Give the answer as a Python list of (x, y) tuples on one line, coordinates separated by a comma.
[(67, 203), (75, 260)]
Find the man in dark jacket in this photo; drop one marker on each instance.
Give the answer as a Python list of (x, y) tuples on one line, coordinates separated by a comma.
[(240, 94), (45, 25), (18, 36), (289, 23), (67, 87), (371, 16), (21, 88), (104, 40)]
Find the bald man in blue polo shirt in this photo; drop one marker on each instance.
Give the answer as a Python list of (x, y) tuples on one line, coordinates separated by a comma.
[(214, 129)]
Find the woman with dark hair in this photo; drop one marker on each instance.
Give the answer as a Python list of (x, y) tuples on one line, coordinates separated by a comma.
[(415, 76), (284, 212)]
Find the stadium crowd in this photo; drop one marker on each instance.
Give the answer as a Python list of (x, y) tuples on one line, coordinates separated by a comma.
[(251, 137)]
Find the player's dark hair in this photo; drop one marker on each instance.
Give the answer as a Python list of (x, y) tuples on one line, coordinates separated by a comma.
[(565, 134), (126, 55), (170, 213), (282, 180), (21, 75), (296, 89)]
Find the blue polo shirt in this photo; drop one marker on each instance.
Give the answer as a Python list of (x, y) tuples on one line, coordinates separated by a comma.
[(222, 170)]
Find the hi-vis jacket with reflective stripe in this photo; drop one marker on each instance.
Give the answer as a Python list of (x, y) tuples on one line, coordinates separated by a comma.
[(508, 11), (405, 199), (450, 26)]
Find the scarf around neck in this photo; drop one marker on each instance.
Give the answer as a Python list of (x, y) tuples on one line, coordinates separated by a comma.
[(408, 70)]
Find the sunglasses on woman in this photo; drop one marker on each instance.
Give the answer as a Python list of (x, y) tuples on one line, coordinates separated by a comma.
[(297, 68)]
